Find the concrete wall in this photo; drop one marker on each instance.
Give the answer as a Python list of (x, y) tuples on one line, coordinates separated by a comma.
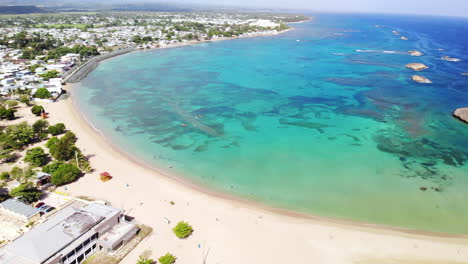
[(84, 69)]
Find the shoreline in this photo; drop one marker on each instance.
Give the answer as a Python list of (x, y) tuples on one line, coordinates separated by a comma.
[(218, 194), (149, 192), (246, 226), (94, 62)]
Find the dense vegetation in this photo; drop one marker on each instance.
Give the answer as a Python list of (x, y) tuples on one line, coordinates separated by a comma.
[(26, 192), (68, 163), (56, 129), (36, 157)]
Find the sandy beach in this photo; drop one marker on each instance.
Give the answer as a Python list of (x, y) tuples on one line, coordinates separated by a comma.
[(231, 231)]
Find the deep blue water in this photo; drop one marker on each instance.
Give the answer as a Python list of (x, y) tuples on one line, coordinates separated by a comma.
[(324, 119)]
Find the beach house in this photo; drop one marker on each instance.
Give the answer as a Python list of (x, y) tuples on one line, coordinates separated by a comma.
[(70, 236), (19, 210)]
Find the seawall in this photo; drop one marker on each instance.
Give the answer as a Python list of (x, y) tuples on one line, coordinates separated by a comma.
[(84, 69)]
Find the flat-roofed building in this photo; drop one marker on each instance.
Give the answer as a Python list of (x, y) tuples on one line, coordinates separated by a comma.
[(68, 237), (20, 210)]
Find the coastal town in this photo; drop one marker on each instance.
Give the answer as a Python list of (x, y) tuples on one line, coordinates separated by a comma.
[(41, 51), (41, 222)]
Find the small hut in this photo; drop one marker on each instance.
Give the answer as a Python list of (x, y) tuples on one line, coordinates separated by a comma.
[(105, 176)]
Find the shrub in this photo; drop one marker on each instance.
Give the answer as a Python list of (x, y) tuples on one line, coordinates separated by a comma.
[(40, 128), (26, 192), (24, 99), (64, 173), (51, 168), (56, 129), (37, 110), (51, 143), (42, 93), (7, 113), (64, 149), (143, 260), (4, 176), (20, 174), (182, 230), (19, 135), (36, 157), (11, 104), (167, 259), (50, 74)]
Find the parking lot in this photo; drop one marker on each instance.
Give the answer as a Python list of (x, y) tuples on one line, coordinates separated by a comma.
[(56, 200), (11, 227)]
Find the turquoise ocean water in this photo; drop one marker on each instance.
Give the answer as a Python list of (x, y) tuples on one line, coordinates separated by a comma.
[(323, 119)]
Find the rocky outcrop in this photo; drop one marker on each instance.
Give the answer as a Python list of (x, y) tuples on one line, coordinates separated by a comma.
[(420, 79), (462, 114), (415, 53), (416, 66), (448, 58)]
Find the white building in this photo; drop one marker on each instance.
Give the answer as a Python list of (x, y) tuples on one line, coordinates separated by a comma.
[(70, 236)]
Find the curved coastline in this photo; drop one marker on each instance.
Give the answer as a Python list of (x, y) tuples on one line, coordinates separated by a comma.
[(88, 66), (219, 194), (178, 179), (244, 220), (235, 203)]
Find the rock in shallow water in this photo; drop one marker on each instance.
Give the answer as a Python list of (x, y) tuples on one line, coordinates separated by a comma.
[(448, 58), (462, 114), (420, 79), (416, 66), (415, 53)]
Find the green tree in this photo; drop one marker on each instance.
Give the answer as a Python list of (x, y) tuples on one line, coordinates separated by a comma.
[(34, 67), (16, 173), (50, 74), (26, 192), (11, 103), (56, 129), (167, 259), (40, 128), (24, 99), (143, 260), (65, 173), (51, 143), (36, 157), (5, 176), (21, 174), (64, 149), (42, 93), (37, 110), (6, 152), (20, 134), (5, 113), (52, 167), (182, 230)]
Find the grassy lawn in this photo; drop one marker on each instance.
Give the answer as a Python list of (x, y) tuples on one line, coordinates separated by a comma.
[(79, 26)]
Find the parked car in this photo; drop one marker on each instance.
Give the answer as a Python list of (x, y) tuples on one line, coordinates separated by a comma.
[(49, 209), (39, 205), (44, 208)]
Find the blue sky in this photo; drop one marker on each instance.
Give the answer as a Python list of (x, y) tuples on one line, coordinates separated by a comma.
[(432, 7)]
